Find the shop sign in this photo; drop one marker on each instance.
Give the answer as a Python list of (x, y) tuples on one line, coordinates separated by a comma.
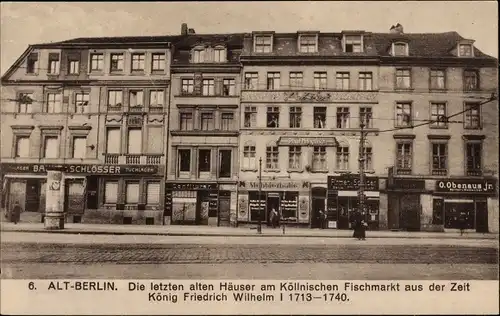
[(408, 184), (191, 186), (466, 186), (307, 141), (351, 182), (275, 185), (81, 168)]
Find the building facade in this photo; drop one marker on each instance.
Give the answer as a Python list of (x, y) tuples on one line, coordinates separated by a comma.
[(97, 107)]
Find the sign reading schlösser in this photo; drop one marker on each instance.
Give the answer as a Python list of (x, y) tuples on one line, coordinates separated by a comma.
[(78, 168), (466, 186)]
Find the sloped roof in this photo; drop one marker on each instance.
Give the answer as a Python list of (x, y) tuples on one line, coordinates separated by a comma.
[(119, 39), (235, 39)]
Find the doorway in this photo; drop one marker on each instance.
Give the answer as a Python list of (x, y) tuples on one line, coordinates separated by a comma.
[(481, 217), (273, 202), (318, 204), (224, 208), (32, 195)]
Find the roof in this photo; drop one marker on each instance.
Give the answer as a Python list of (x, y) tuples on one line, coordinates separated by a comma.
[(120, 39), (232, 40)]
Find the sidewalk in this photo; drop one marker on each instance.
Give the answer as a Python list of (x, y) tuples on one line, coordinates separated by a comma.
[(177, 230)]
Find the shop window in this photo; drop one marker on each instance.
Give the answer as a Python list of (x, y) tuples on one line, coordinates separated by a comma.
[(250, 119), (184, 160), (134, 140), (294, 157), (150, 221), (257, 206), (204, 160), (437, 212), (132, 193), (319, 116), (153, 193), (289, 205), (22, 147), (75, 196), (225, 163), (459, 214), (77, 219), (319, 158), (342, 117), (273, 117), (51, 147), (111, 192), (127, 220), (295, 116), (113, 140), (272, 157)]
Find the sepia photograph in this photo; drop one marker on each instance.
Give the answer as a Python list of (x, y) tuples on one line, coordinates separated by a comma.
[(293, 140)]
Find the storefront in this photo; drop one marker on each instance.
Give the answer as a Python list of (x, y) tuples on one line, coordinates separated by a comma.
[(464, 203), (289, 198), (121, 194), (404, 204), (343, 201)]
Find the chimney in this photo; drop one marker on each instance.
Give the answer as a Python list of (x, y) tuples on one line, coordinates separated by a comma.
[(398, 29), (184, 29), (191, 31)]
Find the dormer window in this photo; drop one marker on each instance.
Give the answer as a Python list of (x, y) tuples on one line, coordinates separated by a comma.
[(263, 43), (400, 49), (199, 56), (465, 50), (219, 55), (308, 43), (353, 44)]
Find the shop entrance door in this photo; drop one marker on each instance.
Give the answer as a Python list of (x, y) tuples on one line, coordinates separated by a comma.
[(32, 195), (318, 205), (409, 212), (481, 217), (17, 193), (273, 201), (224, 208), (348, 207)]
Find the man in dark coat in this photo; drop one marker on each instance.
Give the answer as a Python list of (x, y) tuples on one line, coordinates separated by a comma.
[(15, 214)]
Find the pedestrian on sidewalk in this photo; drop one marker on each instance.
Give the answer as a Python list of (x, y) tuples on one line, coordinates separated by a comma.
[(274, 218), (362, 230), (462, 222), (15, 213)]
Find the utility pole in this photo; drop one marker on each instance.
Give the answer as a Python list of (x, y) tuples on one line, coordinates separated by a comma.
[(259, 228), (361, 190)]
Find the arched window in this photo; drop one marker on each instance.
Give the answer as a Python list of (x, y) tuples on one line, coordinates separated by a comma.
[(249, 159)]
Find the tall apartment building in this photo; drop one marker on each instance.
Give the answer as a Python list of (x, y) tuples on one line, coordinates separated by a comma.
[(96, 107), (203, 134)]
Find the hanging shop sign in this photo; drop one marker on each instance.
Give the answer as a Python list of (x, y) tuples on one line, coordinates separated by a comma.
[(351, 182), (274, 185), (307, 141), (78, 168), (466, 186), (191, 186)]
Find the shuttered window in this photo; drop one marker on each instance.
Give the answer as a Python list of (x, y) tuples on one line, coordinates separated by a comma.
[(155, 140), (113, 140), (111, 192), (134, 141), (153, 193)]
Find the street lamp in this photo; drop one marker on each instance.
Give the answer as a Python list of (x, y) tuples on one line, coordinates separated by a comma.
[(361, 191), (259, 228)]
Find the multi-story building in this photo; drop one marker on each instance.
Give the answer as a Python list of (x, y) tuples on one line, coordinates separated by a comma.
[(97, 107), (203, 132)]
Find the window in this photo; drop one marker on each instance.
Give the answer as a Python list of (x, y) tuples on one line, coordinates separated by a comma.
[(32, 63), (134, 141), (319, 116), (96, 62), (115, 98), (472, 115), (132, 193), (137, 62), (320, 81), (136, 98), (365, 81), (263, 44), (342, 117), (250, 116), (186, 121), (155, 139), (272, 157), (82, 102), (53, 63), (307, 44), (53, 103), (399, 49), (368, 158), (227, 121), (403, 78), (273, 116), (219, 55), (439, 159), (471, 80), (22, 147), (403, 114), (273, 80), (79, 147), (111, 192), (51, 147), (251, 80), (184, 160), (437, 79), (294, 157), (187, 86), (208, 87), (225, 163), (343, 157), (204, 160), (116, 62), (404, 158), (473, 158), (153, 193), (295, 79), (366, 116), (113, 140), (199, 56), (156, 98), (353, 44), (207, 121), (438, 115), (295, 116), (342, 82), (249, 160), (158, 62), (465, 50), (319, 158), (25, 102), (74, 67), (228, 87)]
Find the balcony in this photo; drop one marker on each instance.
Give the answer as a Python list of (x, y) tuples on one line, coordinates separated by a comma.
[(134, 159)]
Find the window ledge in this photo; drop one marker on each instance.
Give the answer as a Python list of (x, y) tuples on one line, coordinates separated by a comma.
[(404, 89), (341, 171), (473, 128), (371, 171), (319, 171), (272, 170), (249, 169), (295, 171), (443, 90), (438, 127)]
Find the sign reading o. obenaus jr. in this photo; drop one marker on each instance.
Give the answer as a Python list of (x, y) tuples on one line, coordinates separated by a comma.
[(466, 186)]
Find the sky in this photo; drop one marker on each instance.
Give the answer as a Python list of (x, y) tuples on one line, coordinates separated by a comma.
[(25, 23)]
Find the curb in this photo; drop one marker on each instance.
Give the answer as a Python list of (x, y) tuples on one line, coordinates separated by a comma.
[(76, 232)]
